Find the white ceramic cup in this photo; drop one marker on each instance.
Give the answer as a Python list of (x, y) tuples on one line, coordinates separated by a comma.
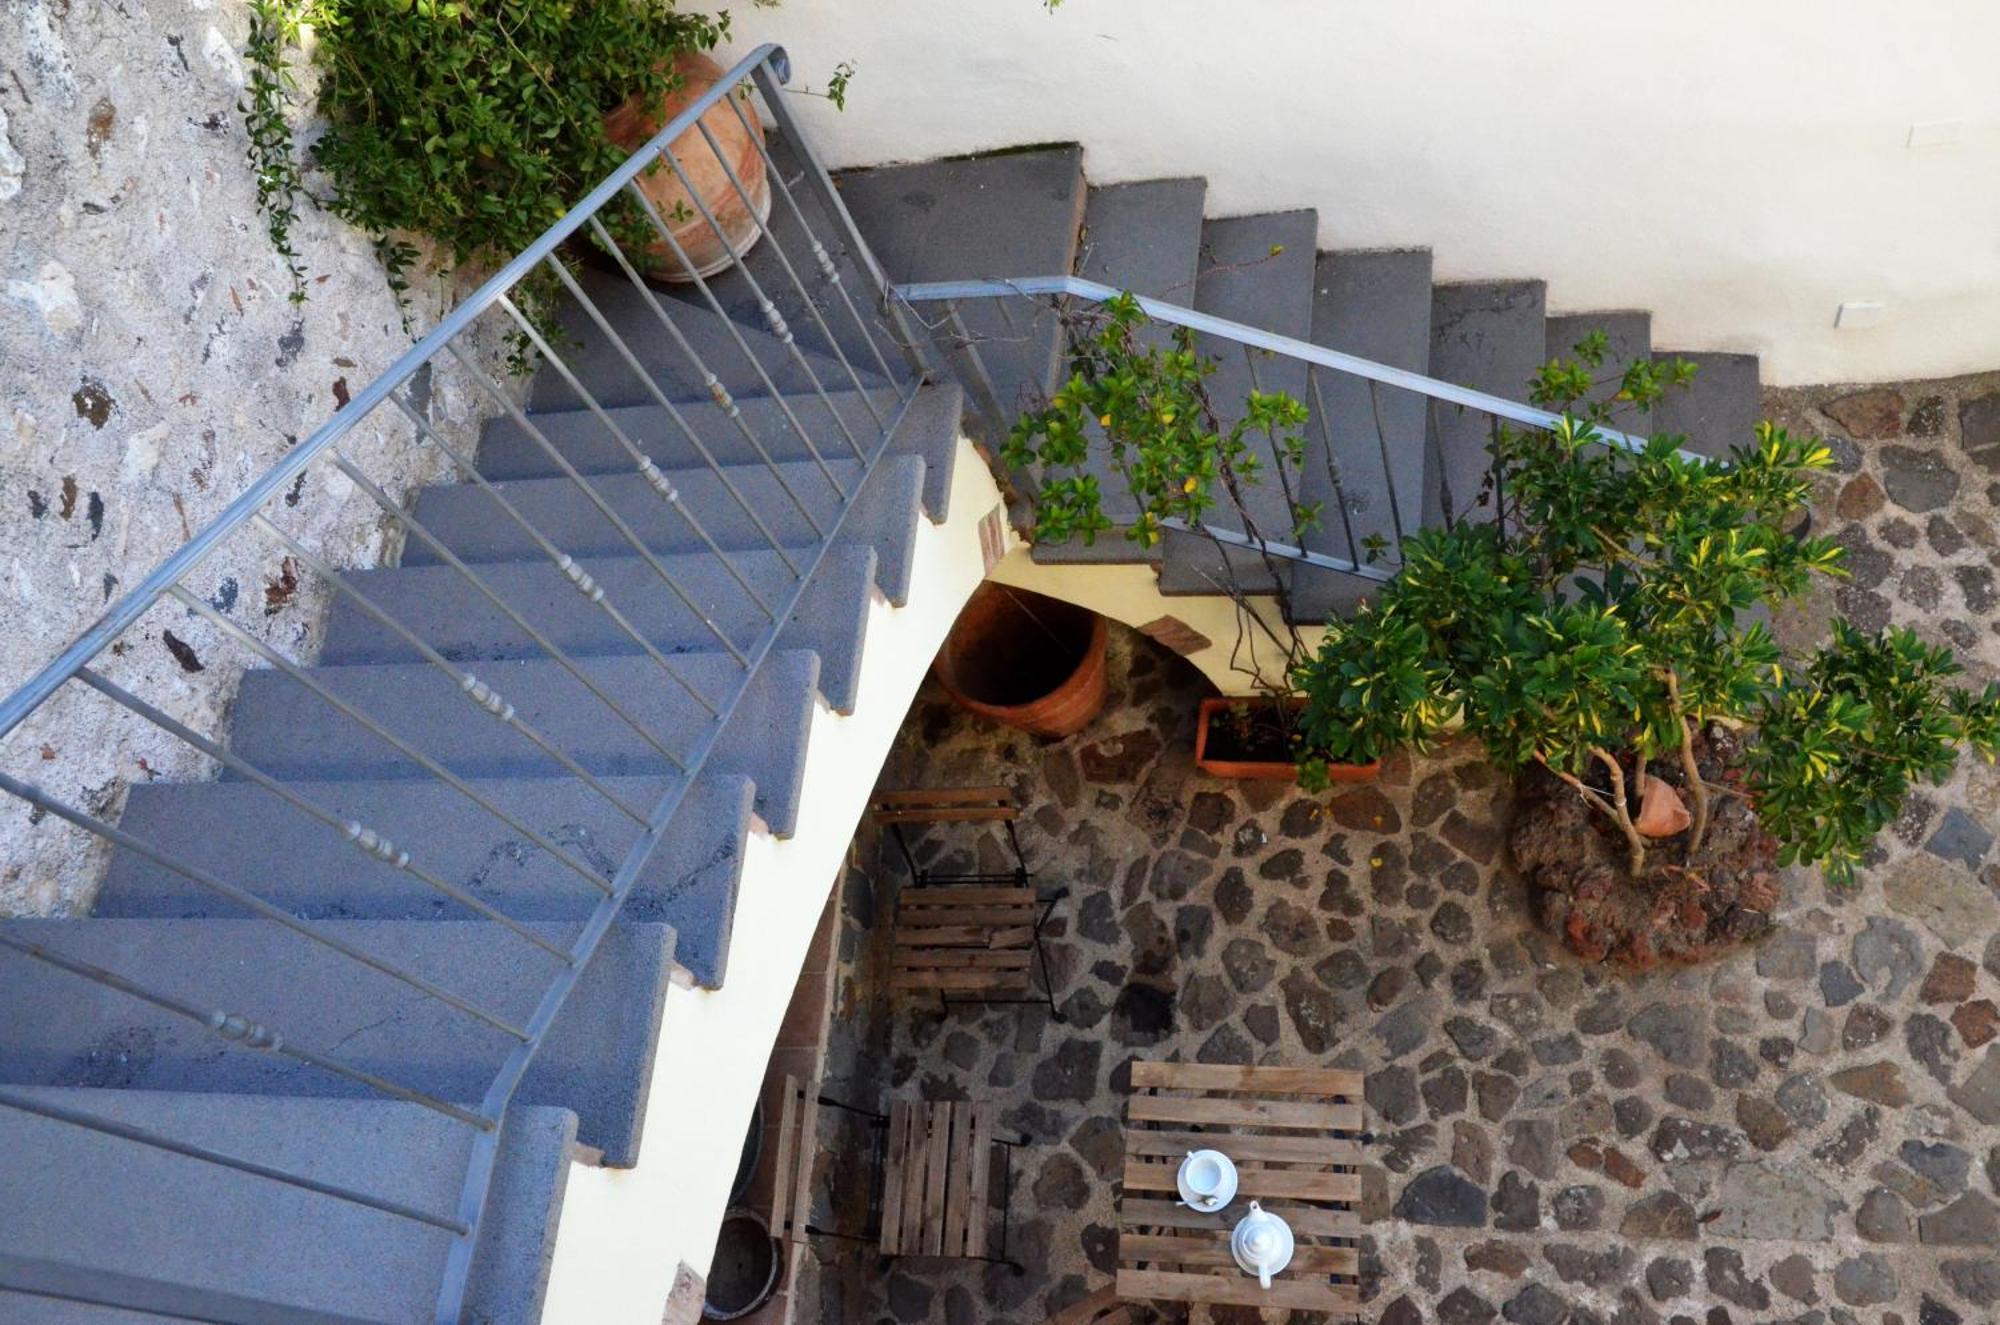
[(1204, 1171)]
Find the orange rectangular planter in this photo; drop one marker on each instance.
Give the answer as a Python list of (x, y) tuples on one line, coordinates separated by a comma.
[(1260, 770)]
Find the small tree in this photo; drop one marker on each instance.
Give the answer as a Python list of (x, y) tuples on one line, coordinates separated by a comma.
[(1607, 610)]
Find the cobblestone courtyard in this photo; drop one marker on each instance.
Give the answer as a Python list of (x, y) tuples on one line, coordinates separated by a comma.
[(1806, 1132)]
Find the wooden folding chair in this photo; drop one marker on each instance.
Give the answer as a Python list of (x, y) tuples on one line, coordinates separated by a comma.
[(968, 937)]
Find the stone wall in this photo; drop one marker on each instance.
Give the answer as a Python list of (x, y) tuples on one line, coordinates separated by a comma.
[(154, 366)]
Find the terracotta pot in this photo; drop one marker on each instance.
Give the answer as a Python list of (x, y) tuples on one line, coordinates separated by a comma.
[(1029, 661), (632, 124), (1261, 770)]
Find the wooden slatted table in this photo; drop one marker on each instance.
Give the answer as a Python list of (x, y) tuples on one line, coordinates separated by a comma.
[(965, 939), (1295, 1136), (936, 1179)]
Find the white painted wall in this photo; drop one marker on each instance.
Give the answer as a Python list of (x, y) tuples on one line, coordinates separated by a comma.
[(1739, 167), (624, 1232)]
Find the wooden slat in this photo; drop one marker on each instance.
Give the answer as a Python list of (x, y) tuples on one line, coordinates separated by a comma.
[(951, 957), (947, 917), (1228, 1111), (958, 1181), (982, 1171), (1238, 1289), (788, 1137), (964, 936), (802, 1179), (991, 981), (1211, 1250), (1245, 1146), (953, 894), (1306, 1221), (1326, 1081), (901, 796), (937, 1165), (1254, 1182), (893, 1171)]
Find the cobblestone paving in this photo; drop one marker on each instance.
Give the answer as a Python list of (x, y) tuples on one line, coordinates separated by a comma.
[(1808, 1132)]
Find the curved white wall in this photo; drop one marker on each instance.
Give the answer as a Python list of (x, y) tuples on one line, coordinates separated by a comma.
[(1740, 167)]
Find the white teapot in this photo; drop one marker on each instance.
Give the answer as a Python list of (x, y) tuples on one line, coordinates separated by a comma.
[(1262, 1244)]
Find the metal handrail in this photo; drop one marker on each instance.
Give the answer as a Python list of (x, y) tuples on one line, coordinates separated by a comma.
[(926, 292), (689, 738)]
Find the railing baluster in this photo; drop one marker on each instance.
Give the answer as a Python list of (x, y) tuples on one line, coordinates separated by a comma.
[(1332, 466), (778, 252), (769, 78), (1388, 470), (728, 325), (610, 333), (557, 557), (54, 1112), (977, 379), (389, 738), (654, 479), (239, 1030), (712, 384), (828, 268), (360, 835), (303, 928)]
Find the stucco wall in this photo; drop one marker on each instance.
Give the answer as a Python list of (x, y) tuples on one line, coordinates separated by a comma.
[(1739, 169), (151, 366)]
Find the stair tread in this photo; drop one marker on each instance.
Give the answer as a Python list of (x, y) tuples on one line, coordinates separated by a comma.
[(1257, 270), (199, 1226), (1375, 304), (288, 732), (886, 510), (596, 1059), (448, 612), (243, 833), (1628, 335), (1006, 215), (1487, 335), (1720, 409), (929, 428), (742, 369)]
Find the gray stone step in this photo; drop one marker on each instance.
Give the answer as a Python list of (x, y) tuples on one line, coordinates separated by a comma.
[(1144, 237), (1375, 304), (743, 369), (929, 429), (1720, 409), (1488, 335), (1257, 270), (1628, 335), (1012, 214), (885, 514), (444, 609), (242, 833), (288, 732), (114, 1207), (63, 1030), (851, 327)]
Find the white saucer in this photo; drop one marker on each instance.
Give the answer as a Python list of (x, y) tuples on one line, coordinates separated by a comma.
[(1215, 1203)]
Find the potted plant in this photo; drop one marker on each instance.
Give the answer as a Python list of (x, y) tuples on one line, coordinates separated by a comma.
[(1143, 402), (1600, 636), (471, 128)]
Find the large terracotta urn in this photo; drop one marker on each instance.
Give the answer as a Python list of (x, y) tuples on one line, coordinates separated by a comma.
[(739, 139), (1027, 660)]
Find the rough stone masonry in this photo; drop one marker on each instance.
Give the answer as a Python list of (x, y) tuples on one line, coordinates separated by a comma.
[(154, 365)]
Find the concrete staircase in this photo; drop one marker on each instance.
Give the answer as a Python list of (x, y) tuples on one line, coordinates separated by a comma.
[(661, 1042)]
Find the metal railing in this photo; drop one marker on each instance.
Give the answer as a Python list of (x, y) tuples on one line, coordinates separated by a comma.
[(886, 370), (1422, 401)]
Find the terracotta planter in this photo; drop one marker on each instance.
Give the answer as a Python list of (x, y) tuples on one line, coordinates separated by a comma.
[(1029, 661), (632, 124), (1261, 770)]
